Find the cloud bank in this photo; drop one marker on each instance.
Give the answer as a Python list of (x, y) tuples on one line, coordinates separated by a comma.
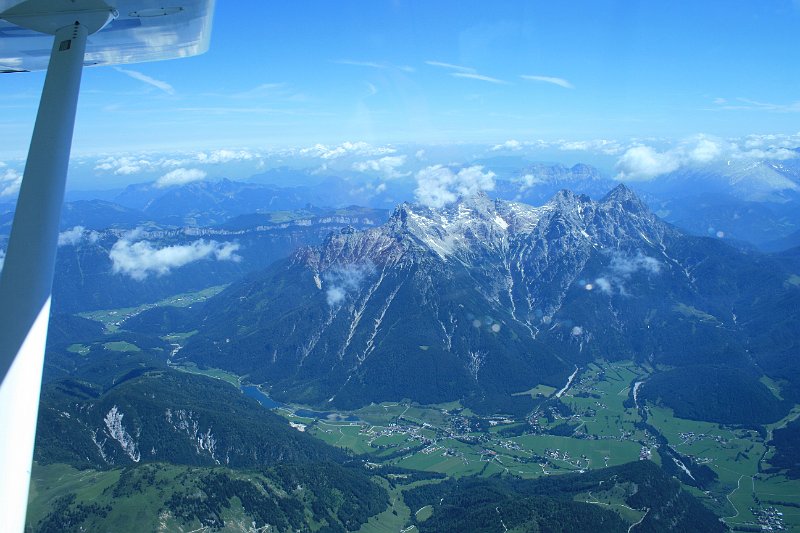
[(347, 148), (601, 146), (129, 164), (643, 162), (216, 157), (138, 260), (438, 185)]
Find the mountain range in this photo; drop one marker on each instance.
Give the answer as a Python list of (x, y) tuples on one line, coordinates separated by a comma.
[(753, 203), (483, 300)]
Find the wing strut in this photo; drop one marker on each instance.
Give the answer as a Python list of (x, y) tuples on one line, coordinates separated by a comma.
[(27, 276), (146, 31)]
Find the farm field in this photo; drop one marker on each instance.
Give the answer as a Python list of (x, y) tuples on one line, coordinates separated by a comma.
[(111, 318), (594, 424)]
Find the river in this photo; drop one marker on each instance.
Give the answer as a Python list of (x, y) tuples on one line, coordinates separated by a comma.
[(569, 382)]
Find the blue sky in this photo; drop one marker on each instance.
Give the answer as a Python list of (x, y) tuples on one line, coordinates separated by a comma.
[(298, 73)]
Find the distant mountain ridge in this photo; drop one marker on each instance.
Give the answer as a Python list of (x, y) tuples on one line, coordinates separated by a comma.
[(536, 183), (85, 278), (751, 202)]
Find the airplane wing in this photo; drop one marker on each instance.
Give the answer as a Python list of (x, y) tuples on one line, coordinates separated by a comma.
[(143, 30)]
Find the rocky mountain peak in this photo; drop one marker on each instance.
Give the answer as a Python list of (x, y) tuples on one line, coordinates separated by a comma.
[(477, 225), (621, 194), (585, 171), (565, 198)]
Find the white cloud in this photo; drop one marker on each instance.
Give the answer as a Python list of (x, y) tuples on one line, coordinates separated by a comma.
[(10, 181), (480, 77), (561, 82), (511, 144), (459, 71), (438, 185), (140, 259), (621, 268), (344, 279), (771, 146), (2, 259), (130, 164), (127, 170), (76, 235), (381, 65), (274, 92), (604, 146), (360, 148), (747, 104), (368, 64), (643, 163), (450, 66), (625, 266), (180, 176), (529, 180), (705, 151), (387, 166), (216, 157), (604, 285), (158, 84), (335, 296), (126, 165), (780, 154)]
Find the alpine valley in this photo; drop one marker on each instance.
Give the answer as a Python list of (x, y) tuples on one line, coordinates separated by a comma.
[(577, 365), (401, 266)]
